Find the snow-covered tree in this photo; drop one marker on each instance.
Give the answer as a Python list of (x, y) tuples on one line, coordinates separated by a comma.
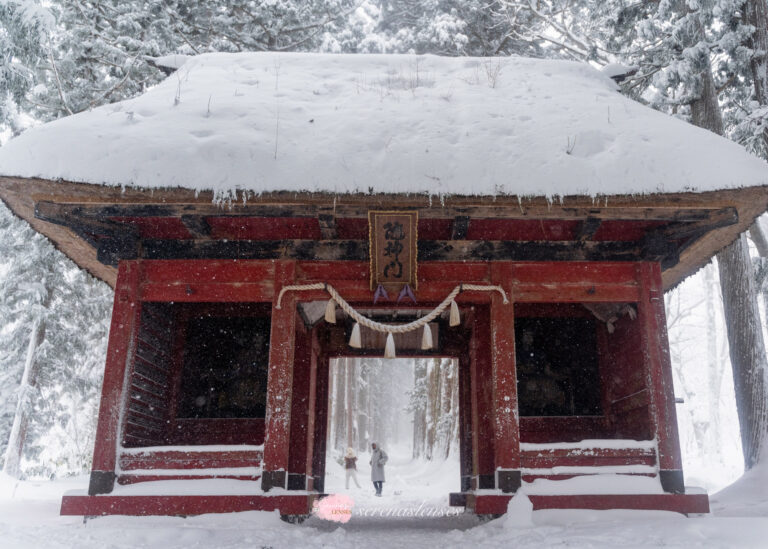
[(53, 330), (25, 31)]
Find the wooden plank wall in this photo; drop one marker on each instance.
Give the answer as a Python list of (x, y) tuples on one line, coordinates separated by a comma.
[(147, 413), (622, 373)]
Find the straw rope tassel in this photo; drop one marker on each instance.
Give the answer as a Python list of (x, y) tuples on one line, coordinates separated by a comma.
[(354, 339), (426, 338), (389, 350), (330, 311), (455, 318)]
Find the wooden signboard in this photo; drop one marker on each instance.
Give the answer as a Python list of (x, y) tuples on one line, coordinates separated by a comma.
[(393, 249)]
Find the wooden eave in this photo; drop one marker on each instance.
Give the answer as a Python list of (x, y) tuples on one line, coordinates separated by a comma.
[(85, 222)]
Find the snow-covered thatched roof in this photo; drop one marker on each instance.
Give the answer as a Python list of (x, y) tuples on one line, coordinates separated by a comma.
[(383, 123)]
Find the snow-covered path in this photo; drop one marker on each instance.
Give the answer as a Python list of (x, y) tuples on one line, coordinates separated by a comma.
[(29, 519)]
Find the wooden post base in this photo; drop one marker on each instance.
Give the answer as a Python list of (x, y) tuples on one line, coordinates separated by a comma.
[(273, 479), (508, 480), (297, 481), (102, 482), (672, 481)]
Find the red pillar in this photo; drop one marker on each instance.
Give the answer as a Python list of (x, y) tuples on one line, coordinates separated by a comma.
[(321, 424), (481, 375), (465, 422), (122, 344), (658, 368), (311, 409), (300, 411), (457, 345), (506, 425), (279, 382)]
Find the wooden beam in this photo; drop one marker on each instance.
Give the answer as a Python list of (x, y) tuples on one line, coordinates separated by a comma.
[(658, 376), (280, 383), (100, 210), (724, 217), (506, 425), (429, 250), (197, 226), (78, 218), (512, 250), (588, 229), (121, 247), (326, 218), (122, 342), (330, 250), (460, 227)]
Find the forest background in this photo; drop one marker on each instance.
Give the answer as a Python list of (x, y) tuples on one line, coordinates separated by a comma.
[(704, 61)]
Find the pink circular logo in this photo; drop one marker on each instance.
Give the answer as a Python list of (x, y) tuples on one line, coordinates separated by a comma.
[(336, 507)]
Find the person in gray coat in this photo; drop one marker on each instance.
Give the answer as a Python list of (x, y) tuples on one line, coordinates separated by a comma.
[(378, 460)]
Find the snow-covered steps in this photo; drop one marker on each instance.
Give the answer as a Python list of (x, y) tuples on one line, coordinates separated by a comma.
[(564, 460), (189, 463), (496, 504)]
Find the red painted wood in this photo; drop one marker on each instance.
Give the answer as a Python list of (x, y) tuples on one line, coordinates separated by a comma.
[(264, 228), (531, 478), (428, 228), (547, 462), (474, 414), (311, 407), (302, 365), (624, 231), (128, 478), (623, 380), (333, 271), (458, 347), (581, 292), (359, 293), (188, 454), (122, 334), (280, 377), (522, 229), (562, 428), (454, 271), (321, 417), (220, 271), (680, 503), (506, 424), (576, 272), (166, 228), (551, 310), (465, 416), (179, 431), (482, 358), (593, 452), (130, 463), (652, 320), (218, 431), (183, 505), (352, 228), (243, 292), (322, 271), (168, 280), (435, 229)]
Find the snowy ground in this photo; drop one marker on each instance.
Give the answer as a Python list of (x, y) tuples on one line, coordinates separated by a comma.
[(29, 518)]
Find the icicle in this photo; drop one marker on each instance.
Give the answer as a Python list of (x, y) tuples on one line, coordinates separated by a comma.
[(455, 318), (389, 350), (330, 311), (354, 339), (426, 338)]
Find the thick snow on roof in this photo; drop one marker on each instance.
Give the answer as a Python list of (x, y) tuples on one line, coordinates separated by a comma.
[(383, 123)]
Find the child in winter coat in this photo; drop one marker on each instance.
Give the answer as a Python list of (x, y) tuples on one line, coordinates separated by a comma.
[(350, 466)]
